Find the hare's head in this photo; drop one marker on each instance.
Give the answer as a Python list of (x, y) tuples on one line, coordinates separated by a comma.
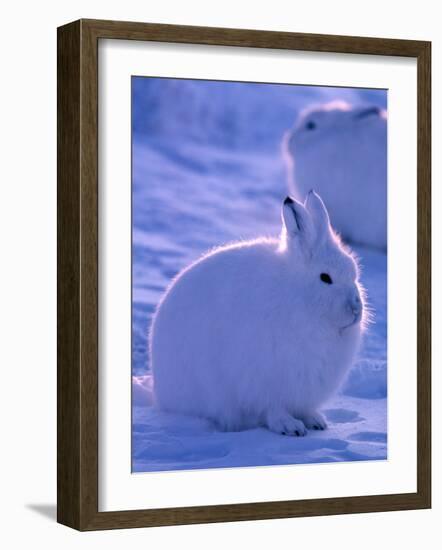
[(329, 123), (335, 146), (327, 271)]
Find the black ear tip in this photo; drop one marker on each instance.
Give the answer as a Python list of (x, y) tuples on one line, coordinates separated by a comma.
[(288, 200)]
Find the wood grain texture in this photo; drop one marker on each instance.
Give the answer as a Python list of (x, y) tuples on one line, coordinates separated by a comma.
[(77, 225), (424, 274), (253, 38), (68, 276)]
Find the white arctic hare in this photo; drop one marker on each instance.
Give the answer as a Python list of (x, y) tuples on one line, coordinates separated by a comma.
[(261, 333), (343, 151)]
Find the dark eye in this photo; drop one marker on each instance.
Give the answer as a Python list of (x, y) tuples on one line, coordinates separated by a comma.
[(310, 125), (325, 278)]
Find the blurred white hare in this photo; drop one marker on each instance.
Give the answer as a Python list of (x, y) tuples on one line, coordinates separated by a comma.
[(342, 153), (261, 333)]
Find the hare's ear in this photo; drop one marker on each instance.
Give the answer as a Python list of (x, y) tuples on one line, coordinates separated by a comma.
[(318, 211), (297, 221)]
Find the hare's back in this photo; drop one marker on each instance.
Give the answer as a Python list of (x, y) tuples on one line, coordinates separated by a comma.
[(225, 284)]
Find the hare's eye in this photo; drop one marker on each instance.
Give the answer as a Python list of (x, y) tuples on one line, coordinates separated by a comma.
[(310, 125), (325, 278)]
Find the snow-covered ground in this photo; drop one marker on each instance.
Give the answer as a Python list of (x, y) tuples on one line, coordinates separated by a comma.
[(207, 169)]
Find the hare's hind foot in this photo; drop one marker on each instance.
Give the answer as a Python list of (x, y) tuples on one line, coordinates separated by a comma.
[(314, 421)]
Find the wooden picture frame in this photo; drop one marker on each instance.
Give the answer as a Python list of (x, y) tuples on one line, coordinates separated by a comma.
[(78, 274)]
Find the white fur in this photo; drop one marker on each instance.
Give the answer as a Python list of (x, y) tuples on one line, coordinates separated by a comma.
[(250, 336), (344, 156)]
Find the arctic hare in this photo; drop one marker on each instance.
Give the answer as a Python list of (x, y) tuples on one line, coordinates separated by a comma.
[(343, 151), (261, 333)]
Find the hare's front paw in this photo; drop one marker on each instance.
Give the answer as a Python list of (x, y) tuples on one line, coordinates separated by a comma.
[(283, 423), (314, 421)]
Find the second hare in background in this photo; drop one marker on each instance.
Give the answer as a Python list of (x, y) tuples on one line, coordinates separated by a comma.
[(342, 152)]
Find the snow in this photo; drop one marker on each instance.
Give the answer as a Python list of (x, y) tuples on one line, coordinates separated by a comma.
[(208, 169)]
